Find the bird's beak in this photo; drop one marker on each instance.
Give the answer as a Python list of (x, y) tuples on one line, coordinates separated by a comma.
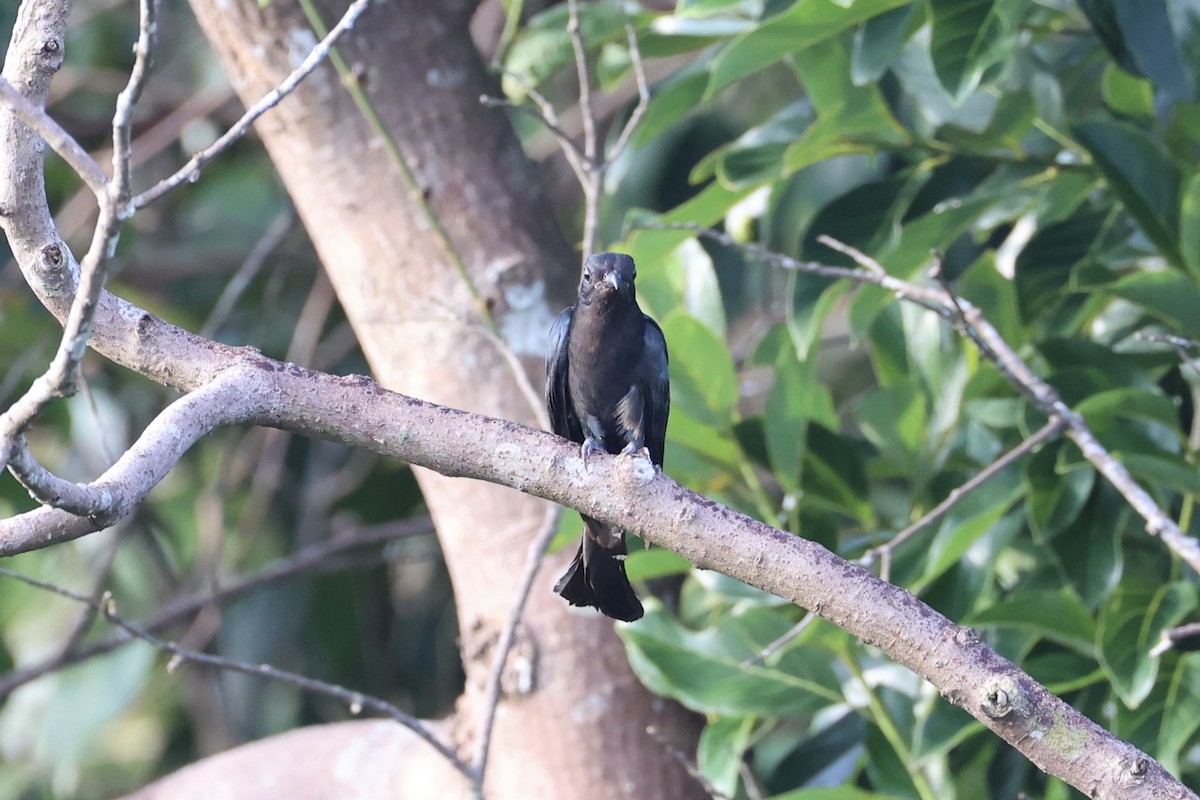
[(613, 280)]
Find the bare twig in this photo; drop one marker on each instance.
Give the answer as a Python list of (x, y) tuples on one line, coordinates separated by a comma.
[(533, 562), (61, 377), (190, 172), (687, 763), (884, 552), (1187, 635), (782, 641), (355, 701), (328, 556), (968, 319), (587, 162), (122, 120), (276, 230), (639, 110), (62, 142)]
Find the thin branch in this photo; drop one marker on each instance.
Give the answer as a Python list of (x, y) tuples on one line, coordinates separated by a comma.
[(884, 552), (635, 116), (327, 556), (190, 172), (355, 701), (122, 120), (533, 562), (687, 763), (969, 320), (61, 377), (276, 230), (782, 641), (59, 140), (548, 118), (1185, 638)]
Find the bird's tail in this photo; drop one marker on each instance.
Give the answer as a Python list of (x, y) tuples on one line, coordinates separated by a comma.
[(597, 575)]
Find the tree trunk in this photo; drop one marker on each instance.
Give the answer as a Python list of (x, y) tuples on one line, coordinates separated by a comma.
[(391, 252)]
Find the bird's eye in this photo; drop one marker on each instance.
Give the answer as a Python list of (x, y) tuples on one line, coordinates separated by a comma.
[(587, 276)]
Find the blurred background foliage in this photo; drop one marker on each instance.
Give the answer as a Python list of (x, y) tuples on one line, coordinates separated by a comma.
[(1046, 149)]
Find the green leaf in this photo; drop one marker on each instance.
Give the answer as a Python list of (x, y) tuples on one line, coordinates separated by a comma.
[(703, 382), (721, 751), (813, 297), (1130, 624), (1167, 296), (1089, 549), (1126, 94), (1181, 715), (1054, 614), (543, 46), (648, 246), (969, 36), (877, 42), (1141, 37), (894, 419), (684, 279), (705, 669), (1053, 499), (796, 396), (1142, 175), (851, 119), (1189, 225), (671, 100), (968, 523), (642, 565), (801, 26)]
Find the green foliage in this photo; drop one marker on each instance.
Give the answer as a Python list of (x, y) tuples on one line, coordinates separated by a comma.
[(1047, 154), (1046, 151)]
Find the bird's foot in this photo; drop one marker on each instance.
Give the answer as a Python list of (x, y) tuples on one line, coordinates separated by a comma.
[(591, 445), (633, 449)]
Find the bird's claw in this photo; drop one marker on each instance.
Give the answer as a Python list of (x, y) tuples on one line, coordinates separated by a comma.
[(634, 450), (590, 446)]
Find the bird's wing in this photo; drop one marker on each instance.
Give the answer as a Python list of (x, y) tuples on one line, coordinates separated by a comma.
[(656, 390), (558, 393)]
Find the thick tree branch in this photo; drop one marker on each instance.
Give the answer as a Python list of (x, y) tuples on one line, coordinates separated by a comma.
[(355, 411), (237, 386)]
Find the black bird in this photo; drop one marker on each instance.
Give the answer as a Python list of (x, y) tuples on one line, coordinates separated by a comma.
[(607, 389)]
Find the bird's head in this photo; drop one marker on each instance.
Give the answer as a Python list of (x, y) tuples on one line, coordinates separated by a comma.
[(607, 276)]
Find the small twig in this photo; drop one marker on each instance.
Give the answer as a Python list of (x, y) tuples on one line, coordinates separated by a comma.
[(276, 230), (1187, 635), (884, 552), (327, 556), (774, 647), (1174, 341), (59, 140), (575, 31), (190, 172), (548, 118), (122, 120), (970, 321), (534, 398), (355, 701), (639, 75), (594, 182), (533, 562), (687, 763), (62, 375)]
